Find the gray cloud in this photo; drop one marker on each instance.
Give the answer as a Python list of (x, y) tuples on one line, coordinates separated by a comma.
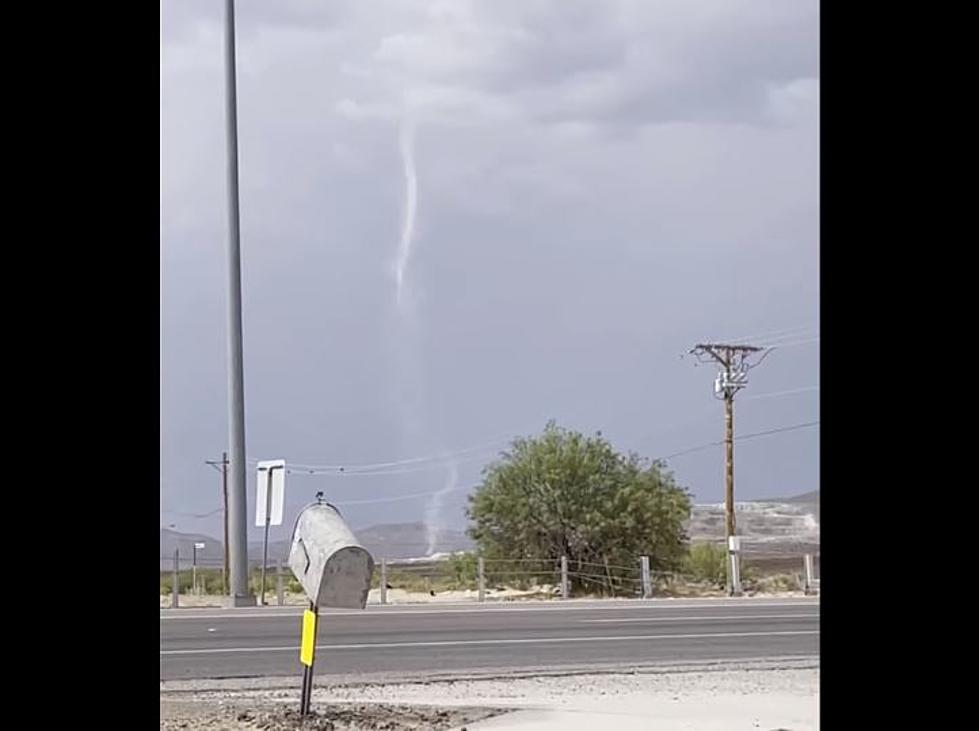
[(599, 185), (617, 63)]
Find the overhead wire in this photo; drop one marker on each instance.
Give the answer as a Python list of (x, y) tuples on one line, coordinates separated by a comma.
[(430, 493)]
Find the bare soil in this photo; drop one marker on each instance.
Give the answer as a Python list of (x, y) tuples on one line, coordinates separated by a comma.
[(197, 715)]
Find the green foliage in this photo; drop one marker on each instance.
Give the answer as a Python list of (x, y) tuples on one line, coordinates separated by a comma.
[(210, 581), (562, 493), (707, 562), (456, 572), (463, 570)]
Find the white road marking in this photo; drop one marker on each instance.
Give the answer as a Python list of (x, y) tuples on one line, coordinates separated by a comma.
[(522, 641), (375, 611), (726, 618)]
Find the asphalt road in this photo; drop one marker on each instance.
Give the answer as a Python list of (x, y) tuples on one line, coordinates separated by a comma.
[(417, 641)]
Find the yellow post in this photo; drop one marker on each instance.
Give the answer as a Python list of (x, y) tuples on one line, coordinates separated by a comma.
[(309, 638)]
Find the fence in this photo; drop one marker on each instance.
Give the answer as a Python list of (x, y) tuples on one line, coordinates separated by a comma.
[(207, 578), (470, 577)]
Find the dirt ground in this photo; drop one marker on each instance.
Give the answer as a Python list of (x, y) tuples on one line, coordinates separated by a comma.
[(197, 715), (731, 697), (400, 596)]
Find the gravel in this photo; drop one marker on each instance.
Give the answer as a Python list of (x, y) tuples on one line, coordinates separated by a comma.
[(720, 698), (251, 716)]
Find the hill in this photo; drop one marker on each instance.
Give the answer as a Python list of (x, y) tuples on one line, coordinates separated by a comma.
[(772, 526)]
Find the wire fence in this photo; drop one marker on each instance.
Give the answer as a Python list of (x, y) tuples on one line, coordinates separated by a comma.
[(464, 577)]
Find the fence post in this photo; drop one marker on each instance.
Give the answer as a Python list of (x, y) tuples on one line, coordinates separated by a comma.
[(565, 589), (481, 576), (384, 581), (279, 588), (647, 588), (808, 585), (175, 602)]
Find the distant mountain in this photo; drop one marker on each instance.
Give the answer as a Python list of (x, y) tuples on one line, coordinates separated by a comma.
[(212, 555), (390, 541), (770, 526), (410, 540), (764, 524), (809, 499)]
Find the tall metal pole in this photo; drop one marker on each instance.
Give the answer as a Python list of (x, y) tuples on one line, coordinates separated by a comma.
[(224, 492), (237, 495)]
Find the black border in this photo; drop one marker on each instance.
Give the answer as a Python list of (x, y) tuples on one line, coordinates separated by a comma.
[(84, 120)]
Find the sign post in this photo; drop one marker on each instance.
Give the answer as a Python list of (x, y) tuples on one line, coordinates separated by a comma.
[(307, 653), (193, 568), (269, 502)]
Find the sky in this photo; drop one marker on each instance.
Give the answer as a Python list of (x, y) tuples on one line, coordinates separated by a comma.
[(462, 219)]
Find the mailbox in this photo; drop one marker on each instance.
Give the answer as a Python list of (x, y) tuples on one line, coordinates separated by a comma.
[(333, 568)]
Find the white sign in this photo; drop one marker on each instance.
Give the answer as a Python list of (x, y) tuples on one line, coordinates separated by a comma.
[(734, 543), (268, 502), (198, 545)]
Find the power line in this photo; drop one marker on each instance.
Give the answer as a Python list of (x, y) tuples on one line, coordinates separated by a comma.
[(743, 437), (768, 394), (790, 343), (771, 333), (293, 469), (472, 453), (774, 394), (399, 498), (425, 464), (444, 456), (194, 515), (430, 493)]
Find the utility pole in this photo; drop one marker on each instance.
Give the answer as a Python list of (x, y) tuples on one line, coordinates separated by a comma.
[(733, 376), (238, 594), (224, 493)]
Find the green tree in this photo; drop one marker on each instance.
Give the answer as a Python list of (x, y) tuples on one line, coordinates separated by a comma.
[(562, 493)]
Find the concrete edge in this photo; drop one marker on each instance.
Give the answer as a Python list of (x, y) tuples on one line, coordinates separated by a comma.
[(556, 604), (259, 684)]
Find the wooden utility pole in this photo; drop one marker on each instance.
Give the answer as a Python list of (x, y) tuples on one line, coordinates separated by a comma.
[(224, 492), (733, 360)]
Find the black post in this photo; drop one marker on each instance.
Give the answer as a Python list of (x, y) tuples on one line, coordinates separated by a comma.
[(307, 693), (303, 710)]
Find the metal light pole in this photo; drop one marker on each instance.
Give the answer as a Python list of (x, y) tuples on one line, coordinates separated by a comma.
[(238, 594)]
